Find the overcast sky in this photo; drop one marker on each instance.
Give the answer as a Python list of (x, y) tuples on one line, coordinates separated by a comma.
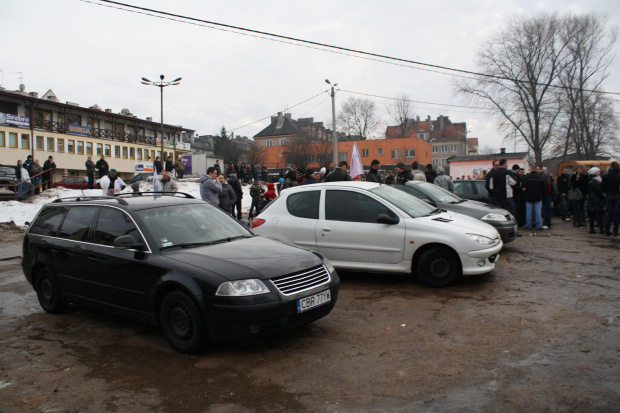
[(91, 54)]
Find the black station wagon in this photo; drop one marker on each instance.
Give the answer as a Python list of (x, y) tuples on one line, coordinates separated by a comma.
[(175, 262)]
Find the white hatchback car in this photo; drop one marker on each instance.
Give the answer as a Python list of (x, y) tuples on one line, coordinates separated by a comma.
[(364, 226)]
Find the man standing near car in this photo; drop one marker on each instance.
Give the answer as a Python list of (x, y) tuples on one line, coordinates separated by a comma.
[(402, 175), (502, 183), (210, 188), (339, 174), (234, 183), (102, 166), (563, 188), (90, 172), (373, 173), (48, 169), (488, 181), (534, 188)]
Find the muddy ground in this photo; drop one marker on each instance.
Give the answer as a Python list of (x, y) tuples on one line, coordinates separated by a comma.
[(539, 334)]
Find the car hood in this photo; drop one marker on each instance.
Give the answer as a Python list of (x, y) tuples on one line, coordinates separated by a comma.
[(473, 208), (254, 257), (460, 223)]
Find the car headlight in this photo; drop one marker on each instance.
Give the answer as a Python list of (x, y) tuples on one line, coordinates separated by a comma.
[(494, 217), (482, 240), (328, 265), (242, 288)]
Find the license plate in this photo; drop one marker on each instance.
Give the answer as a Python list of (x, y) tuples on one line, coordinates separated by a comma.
[(313, 301)]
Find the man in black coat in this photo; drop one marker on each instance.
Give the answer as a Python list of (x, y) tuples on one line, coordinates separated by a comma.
[(234, 183), (534, 188), (488, 181), (48, 169), (102, 166), (563, 188), (430, 173), (373, 173), (339, 174), (611, 186), (502, 183)]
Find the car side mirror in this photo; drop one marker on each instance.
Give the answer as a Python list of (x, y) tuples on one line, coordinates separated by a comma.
[(386, 219), (126, 242)]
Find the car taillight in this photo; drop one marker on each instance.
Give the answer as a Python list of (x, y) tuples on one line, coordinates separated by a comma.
[(257, 222)]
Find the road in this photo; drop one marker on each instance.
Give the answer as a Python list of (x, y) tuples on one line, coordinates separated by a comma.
[(539, 334)]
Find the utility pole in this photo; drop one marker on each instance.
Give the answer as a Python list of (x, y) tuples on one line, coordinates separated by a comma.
[(334, 135)]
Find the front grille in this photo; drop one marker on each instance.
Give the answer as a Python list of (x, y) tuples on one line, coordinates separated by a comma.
[(301, 281)]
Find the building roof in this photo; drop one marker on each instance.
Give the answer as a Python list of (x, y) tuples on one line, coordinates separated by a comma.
[(472, 145), (450, 131), (287, 127)]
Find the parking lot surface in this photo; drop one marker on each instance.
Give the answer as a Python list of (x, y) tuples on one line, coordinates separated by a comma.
[(540, 333)]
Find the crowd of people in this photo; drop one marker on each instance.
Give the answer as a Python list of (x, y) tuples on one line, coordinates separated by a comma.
[(32, 178)]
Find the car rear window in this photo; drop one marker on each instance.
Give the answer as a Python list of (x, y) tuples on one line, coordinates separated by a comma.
[(78, 222), (48, 221), (304, 204)]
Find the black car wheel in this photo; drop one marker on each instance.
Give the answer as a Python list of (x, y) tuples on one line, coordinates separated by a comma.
[(182, 323), (438, 267), (48, 292)]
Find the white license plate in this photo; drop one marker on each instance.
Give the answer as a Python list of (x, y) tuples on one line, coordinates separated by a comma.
[(313, 301)]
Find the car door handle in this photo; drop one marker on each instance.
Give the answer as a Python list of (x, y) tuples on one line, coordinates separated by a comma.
[(327, 229)]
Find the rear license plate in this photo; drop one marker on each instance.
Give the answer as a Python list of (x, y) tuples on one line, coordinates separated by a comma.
[(313, 301)]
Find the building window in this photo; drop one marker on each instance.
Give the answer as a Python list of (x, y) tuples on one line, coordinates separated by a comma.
[(132, 153), (80, 147), (453, 148), (435, 161), (310, 158), (268, 144), (139, 154), (422, 135), (71, 146), (379, 152), (60, 145), (117, 151), (94, 127), (106, 150), (39, 143), (2, 140), (43, 119), (409, 153), (364, 152), (342, 156), (50, 144), (12, 140), (435, 149), (397, 154), (25, 141), (282, 142), (443, 161), (444, 148), (89, 148), (99, 149)]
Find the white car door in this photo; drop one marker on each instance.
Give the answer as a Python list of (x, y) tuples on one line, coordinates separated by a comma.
[(348, 231), (297, 224)]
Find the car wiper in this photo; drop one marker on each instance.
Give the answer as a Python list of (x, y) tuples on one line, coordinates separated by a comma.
[(193, 244), (435, 211)]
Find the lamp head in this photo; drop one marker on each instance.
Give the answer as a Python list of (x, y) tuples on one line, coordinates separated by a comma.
[(177, 79), (327, 81), (161, 77), (145, 80)]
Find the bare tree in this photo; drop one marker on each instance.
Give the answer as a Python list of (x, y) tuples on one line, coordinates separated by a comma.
[(227, 148), (487, 149), (323, 149), (401, 110), (525, 60), (590, 120), (358, 117), (300, 150), (256, 154)]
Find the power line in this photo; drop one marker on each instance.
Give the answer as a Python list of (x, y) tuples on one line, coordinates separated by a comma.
[(340, 48)]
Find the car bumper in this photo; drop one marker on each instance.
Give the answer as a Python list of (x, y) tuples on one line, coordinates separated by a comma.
[(239, 322), (507, 232), (480, 261)]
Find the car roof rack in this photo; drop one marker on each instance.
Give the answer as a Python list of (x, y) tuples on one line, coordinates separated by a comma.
[(89, 198), (129, 194)]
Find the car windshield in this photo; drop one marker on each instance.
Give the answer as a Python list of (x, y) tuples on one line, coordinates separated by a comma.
[(409, 204), (437, 193), (191, 225)]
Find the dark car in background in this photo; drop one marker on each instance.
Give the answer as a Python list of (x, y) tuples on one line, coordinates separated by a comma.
[(143, 176), (473, 189), (72, 182), (503, 221), (8, 177), (176, 262)]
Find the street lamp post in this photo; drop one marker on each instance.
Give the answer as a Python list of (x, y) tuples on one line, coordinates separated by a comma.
[(161, 85), (334, 136)]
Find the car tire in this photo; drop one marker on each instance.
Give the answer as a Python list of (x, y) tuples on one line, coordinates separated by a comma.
[(182, 323), (48, 292), (438, 267)]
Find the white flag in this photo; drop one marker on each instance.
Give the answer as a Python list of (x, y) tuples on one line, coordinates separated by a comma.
[(357, 168), (157, 187)]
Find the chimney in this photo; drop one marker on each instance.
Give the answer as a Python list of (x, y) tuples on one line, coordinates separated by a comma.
[(34, 95), (287, 115), (417, 119), (502, 150), (108, 111), (149, 119), (440, 121), (280, 120)]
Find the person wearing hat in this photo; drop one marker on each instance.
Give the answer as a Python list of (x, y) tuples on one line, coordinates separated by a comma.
[(310, 178), (116, 183), (373, 173), (596, 201), (402, 174)]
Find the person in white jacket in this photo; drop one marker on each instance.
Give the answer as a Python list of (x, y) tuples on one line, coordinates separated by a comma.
[(116, 183)]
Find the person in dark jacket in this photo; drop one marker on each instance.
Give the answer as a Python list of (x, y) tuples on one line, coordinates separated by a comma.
[(487, 179), (256, 192), (157, 165), (168, 167), (534, 188), (579, 180), (610, 185), (373, 173), (228, 198), (339, 174), (48, 169), (596, 200), (502, 183), (563, 188), (90, 172), (402, 174), (234, 183), (430, 173), (103, 167), (28, 164)]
